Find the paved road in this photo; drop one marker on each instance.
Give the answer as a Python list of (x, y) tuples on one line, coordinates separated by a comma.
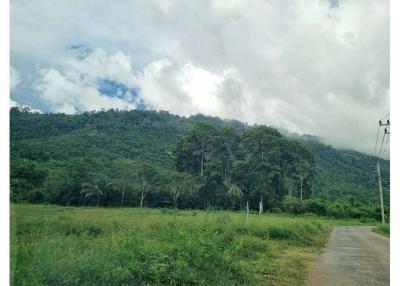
[(354, 256)]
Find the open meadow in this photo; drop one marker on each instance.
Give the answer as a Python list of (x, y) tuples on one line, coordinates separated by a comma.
[(53, 245)]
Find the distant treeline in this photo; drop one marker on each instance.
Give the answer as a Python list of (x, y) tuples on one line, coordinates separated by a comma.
[(145, 158), (215, 167)]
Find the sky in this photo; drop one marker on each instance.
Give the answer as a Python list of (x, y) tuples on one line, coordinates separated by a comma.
[(318, 67)]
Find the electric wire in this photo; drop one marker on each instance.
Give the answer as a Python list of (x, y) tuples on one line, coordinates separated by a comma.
[(377, 136), (383, 140), (386, 145)]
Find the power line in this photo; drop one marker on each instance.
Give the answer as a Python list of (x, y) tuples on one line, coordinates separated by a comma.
[(378, 167), (387, 124), (377, 136), (379, 128), (386, 144), (380, 150)]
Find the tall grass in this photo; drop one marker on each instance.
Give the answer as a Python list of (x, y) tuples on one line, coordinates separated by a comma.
[(383, 229), (90, 246)]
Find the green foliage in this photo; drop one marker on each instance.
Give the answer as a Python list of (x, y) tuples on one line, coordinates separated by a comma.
[(338, 209), (293, 205), (27, 181), (251, 162), (162, 160), (234, 193), (346, 175), (383, 229)]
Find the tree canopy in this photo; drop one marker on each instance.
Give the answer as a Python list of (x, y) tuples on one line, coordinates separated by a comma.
[(148, 158)]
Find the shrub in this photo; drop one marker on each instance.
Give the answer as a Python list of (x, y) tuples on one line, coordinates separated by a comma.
[(317, 206), (292, 205)]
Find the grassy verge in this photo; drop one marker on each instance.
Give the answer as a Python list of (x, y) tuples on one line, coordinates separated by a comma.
[(383, 229), (52, 245)]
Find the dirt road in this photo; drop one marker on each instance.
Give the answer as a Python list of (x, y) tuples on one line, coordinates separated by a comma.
[(354, 256)]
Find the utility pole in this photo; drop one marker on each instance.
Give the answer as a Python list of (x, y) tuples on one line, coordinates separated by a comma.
[(378, 167)]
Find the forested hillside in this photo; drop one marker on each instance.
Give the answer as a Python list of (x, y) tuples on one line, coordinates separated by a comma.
[(54, 158)]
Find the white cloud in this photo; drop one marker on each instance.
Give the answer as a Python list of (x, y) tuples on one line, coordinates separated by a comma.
[(13, 103), (23, 107), (69, 93), (180, 88), (307, 66), (15, 78)]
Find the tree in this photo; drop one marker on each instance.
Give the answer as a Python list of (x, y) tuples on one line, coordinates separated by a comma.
[(299, 163), (234, 193), (225, 145), (124, 175), (180, 183), (146, 174), (27, 180), (264, 157), (96, 189), (191, 153), (67, 178)]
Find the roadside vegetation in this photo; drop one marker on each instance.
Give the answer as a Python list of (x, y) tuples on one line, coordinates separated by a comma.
[(383, 229), (52, 245)]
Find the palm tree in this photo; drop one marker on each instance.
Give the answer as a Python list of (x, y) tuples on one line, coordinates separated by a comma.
[(234, 193), (95, 190)]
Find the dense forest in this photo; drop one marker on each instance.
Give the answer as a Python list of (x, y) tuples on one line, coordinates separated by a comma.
[(156, 159)]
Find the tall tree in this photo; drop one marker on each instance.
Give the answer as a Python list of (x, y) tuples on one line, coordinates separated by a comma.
[(124, 176), (180, 184), (299, 164), (193, 150), (146, 174), (264, 158), (225, 145)]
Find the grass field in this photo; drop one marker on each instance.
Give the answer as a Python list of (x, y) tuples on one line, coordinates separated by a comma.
[(52, 245)]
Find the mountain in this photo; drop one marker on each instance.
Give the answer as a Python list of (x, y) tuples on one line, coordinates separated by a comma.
[(152, 136)]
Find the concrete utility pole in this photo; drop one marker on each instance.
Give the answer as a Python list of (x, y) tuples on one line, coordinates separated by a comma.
[(378, 167)]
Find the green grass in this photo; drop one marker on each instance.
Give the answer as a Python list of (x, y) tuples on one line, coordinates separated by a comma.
[(52, 245), (383, 229)]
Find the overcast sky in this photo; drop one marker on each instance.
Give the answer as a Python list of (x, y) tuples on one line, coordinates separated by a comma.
[(317, 67)]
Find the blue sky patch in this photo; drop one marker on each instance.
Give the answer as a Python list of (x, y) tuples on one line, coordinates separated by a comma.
[(113, 88)]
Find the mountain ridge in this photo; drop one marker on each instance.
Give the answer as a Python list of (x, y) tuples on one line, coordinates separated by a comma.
[(153, 135)]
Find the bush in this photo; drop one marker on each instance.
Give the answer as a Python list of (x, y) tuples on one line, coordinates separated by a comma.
[(292, 205), (317, 206), (35, 196), (338, 211)]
